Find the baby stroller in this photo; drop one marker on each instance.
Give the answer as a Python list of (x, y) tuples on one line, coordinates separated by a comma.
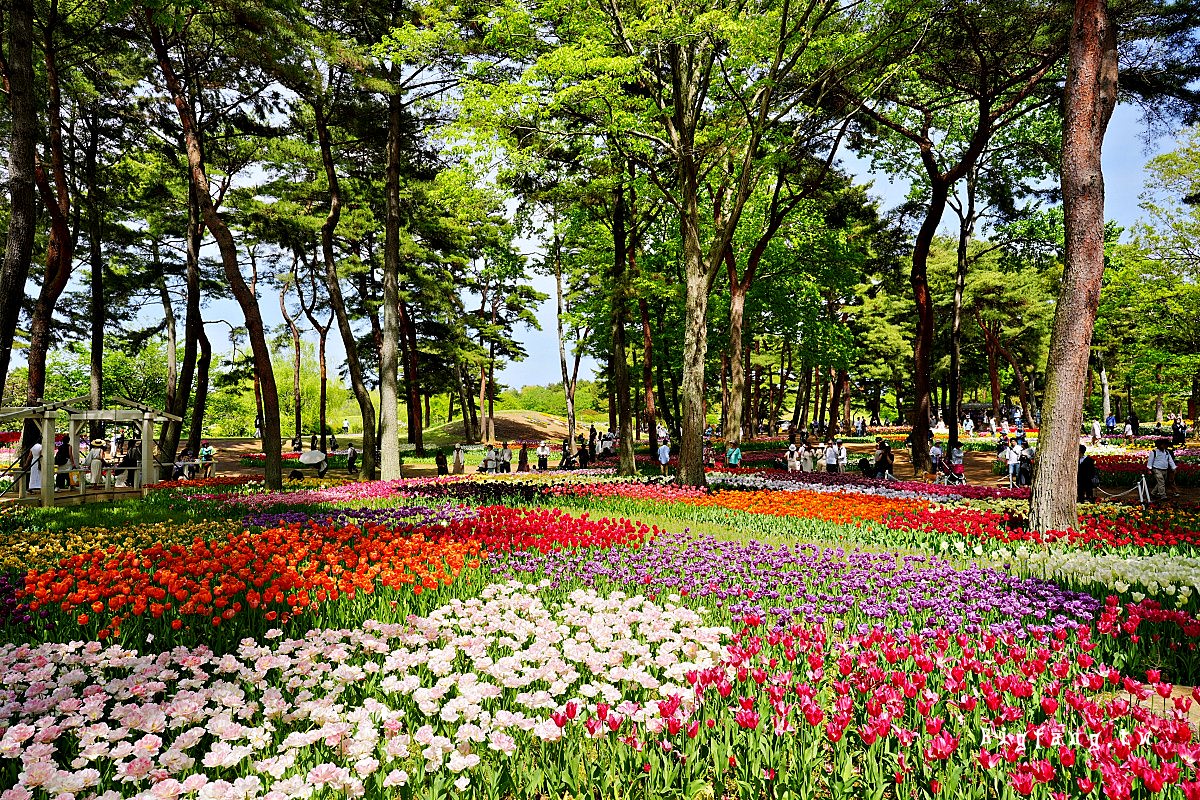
[(950, 474)]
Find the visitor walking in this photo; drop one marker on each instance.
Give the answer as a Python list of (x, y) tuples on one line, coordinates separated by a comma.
[(130, 461), (793, 459), (33, 463), (831, 456), (1025, 473), (1095, 432), (935, 456), (505, 458), (1087, 478), (664, 455), (523, 458), (887, 460), (208, 460), (1110, 423), (460, 460), (1011, 457), (345, 427), (543, 457), (96, 460), (1128, 431), (62, 465), (1159, 464), (808, 457), (733, 456), (439, 460)]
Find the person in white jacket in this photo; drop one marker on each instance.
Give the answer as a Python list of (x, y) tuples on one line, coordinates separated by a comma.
[(1159, 463), (831, 456)]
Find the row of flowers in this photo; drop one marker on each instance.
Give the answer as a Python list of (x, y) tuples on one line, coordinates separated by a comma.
[(292, 570), (513, 694), (1168, 578), (1102, 528)]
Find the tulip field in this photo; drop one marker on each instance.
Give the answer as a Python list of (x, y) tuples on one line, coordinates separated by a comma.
[(578, 635)]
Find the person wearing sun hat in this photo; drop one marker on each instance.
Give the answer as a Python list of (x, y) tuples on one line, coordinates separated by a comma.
[(95, 460)]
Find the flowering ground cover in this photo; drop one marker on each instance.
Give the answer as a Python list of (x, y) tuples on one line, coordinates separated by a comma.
[(566, 635)]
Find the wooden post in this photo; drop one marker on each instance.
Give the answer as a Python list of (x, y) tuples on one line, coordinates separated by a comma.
[(47, 464), (73, 444), (22, 483), (147, 451)]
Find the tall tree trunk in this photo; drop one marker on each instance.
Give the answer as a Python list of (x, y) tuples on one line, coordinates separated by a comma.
[(96, 288), (1105, 396), (1194, 401), (323, 404), (1091, 95), (203, 362), (389, 428), (784, 370), (1022, 386), (1158, 397), (800, 407), (569, 377), (491, 395), (172, 339), (649, 417), (273, 467), (835, 403), (333, 287), (619, 351), (695, 352), (61, 244), (467, 401), (22, 109), (409, 356), (749, 383), (923, 299), (193, 328), (322, 331), (484, 435), (297, 420), (826, 389), (966, 225), (737, 413), (845, 401)]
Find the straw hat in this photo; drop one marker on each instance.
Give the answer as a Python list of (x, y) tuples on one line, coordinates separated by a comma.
[(98, 443)]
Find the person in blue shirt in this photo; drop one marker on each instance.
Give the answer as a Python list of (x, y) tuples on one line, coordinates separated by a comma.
[(733, 456)]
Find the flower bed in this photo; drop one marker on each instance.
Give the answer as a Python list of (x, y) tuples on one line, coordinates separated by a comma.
[(1103, 529), (807, 583), (1124, 470), (594, 694), (293, 567)]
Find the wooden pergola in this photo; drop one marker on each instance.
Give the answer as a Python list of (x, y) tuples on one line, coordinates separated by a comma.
[(45, 417)]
